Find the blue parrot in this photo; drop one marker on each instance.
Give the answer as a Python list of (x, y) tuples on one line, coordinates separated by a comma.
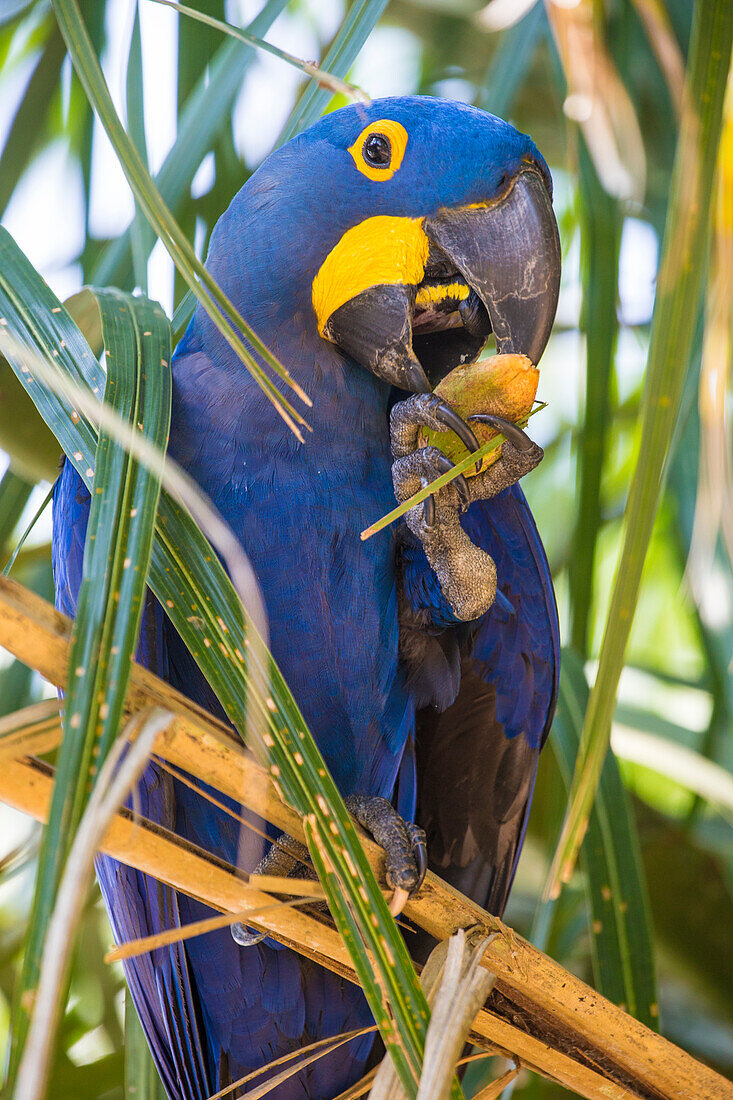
[(373, 254)]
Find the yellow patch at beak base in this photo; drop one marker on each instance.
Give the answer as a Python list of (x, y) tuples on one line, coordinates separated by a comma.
[(431, 295), (380, 251)]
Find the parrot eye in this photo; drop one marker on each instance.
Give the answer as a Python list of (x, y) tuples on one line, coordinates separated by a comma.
[(377, 151)]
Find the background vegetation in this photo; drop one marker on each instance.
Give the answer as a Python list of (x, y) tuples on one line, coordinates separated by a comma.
[(599, 87)]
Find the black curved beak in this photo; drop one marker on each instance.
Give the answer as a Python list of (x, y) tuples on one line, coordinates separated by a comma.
[(375, 329), (508, 253)]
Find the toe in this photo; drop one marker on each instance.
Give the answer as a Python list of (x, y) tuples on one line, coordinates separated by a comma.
[(414, 471), (398, 838), (514, 434), (419, 844), (449, 418), (246, 937), (425, 410)]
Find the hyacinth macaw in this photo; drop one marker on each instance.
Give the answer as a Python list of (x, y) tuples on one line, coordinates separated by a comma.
[(373, 253)]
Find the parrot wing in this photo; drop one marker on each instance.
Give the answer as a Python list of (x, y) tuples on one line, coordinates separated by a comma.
[(477, 760), (211, 1010)]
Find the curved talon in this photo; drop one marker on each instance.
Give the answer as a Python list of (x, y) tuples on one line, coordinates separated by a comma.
[(518, 438), (399, 901), (456, 423), (243, 937), (444, 464), (428, 514), (420, 852)]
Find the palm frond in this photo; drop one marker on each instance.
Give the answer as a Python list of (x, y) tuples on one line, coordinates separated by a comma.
[(675, 313)]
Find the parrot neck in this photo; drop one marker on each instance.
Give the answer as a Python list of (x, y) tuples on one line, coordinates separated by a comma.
[(215, 394), (270, 282)]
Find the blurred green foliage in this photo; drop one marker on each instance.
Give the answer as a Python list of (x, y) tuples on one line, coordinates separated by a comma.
[(677, 685)]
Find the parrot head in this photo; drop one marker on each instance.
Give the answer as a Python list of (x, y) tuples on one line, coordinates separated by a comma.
[(403, 232)]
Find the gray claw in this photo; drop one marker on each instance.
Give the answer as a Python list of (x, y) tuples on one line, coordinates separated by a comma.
[(428, 514), (244, 937), (452, 420), (444, 464), (519, 439), (419, 850), (286, 857)]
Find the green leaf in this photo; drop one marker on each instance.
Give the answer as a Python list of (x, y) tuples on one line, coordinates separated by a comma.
[(34, 520), (97, 1078), (15, 492), (675, 316), (510, 63), (33, 450), (107, 623), (218, 306), (197, 48), (83, 117), (323, 78), (601, 225), (716, 629), (349, 930), (17, 681), (204, 116), (136, 124), (201, 602), (142, 1081), (12, 8), (692, 895), (30, 310), (22, 140), (620, 922), (356, 28)]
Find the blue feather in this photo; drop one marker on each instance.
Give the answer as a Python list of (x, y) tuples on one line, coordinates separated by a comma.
[(211, 1009)]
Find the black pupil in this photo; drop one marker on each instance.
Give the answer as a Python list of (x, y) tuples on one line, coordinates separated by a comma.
[(377, 150)]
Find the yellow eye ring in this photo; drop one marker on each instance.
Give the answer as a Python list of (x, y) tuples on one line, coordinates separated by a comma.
[(396, 138)]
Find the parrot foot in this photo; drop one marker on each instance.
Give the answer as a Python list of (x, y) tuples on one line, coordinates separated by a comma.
[(467, 575), (519, 456), (425, 410), (406, 858), (287, 857)]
